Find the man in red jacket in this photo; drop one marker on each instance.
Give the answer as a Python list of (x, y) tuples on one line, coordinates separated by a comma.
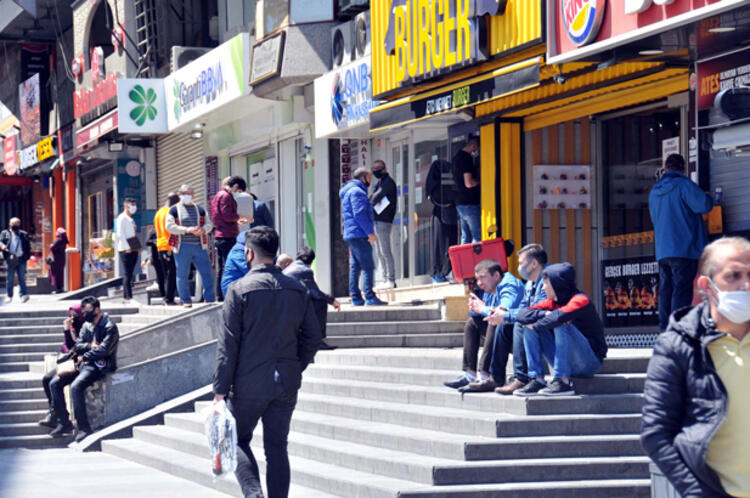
[(225, 218)]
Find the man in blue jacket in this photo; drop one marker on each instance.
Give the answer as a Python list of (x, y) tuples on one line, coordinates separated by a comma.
[(359, 234), (676, 205), (235, 266)]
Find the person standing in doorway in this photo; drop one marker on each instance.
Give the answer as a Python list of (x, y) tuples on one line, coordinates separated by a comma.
[(57, 268), (225, 219), (189, 226), (128, 246), (16, 249), (166, 256), (468, 191), (676, 205), (441, 190), (262, 216), (384, 203), (245, 208), (359, 234)]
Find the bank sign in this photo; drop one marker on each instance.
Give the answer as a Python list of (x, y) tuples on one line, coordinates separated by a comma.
[(142, 105), (343, 99), (208, 82)]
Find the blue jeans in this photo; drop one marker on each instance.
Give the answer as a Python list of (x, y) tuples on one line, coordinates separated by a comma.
[(19, 270), (566, 349), (676, 277), (509, 339), (79, 382), (360, 261), (471, 223), (194, 253)]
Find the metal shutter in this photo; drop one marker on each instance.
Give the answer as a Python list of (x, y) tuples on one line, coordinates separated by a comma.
[(731, 171), (179, 159)]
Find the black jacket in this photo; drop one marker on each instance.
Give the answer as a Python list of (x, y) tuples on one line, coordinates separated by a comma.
[(304, 274), (385, 187), (97, 345), (571, 305), (269, 326), (441, 190), (684, 403), (6, 237)]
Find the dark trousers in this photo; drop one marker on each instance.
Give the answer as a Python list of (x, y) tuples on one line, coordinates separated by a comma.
[(223, 246), (45, 384), (170, 275), (87, 375), (509, 339), (474, 330), (129, 259), (276, 415), (321, 313), (676, 277), (159, 269), (444, 235)]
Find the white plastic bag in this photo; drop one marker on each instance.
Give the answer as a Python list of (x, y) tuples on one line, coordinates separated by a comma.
[(221, 431)]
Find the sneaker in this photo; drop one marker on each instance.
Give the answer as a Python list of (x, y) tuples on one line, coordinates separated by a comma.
[(558, 387), (153, 287), (374, 301), (49, 420), (62, 429), (82, 434), (25, 299), (479, 386), (458, 383), (511, 387), (187, 305), (530, 389), (386, 286), (439, 279), (358, 302), (324, 346)]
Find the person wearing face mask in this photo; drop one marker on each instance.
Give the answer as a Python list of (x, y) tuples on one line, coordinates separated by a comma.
[(384, 189), (468, 191), (128, 246), (94, 354), (189, 228), (225, 220), (696, 404), (16, 249), (359, 234)]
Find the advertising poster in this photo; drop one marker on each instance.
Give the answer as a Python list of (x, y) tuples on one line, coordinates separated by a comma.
[(31, 110), (631, 292), (129, 184)]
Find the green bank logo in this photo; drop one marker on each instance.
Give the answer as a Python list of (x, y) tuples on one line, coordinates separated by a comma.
[(144, 108)]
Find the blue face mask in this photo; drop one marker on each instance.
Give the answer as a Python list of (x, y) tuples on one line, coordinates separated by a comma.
[(525, 271)]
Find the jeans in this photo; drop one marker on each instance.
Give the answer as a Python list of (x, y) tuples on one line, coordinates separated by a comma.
[(87, 375), (509, 339), (444, 235), (194, 253), (223, 246), (383, 246), (566, 348), (360, 261), (471, 224), (19, 270), (129, 260), (676, 277), (474, 329), (170, 275), (45, 384), (276, 414)]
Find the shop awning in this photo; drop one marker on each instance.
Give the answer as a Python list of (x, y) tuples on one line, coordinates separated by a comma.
[(456, 96)]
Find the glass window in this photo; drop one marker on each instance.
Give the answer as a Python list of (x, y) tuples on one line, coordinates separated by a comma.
[(275, 14), (428, 148)]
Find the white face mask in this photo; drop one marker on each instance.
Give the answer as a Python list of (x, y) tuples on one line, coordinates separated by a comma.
[(186, 198), (132, 208), (733, 305)]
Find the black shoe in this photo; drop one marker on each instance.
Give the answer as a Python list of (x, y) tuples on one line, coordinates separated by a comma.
[(82, 434), (49, 420), (530, 389), (326, 347), (62, 429), (558, 387), (459, 382)]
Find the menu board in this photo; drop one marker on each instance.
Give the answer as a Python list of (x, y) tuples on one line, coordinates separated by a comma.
[(562, 187)]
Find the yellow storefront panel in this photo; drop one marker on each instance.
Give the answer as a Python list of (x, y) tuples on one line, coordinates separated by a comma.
[(520, 25)]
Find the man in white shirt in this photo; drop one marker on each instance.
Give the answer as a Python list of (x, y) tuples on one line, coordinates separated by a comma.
[(128, 246)]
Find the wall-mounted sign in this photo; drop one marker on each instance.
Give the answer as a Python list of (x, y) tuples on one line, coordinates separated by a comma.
[(210, 81), (343, 99), (267, 58), (130, 175), (45, 149), (142, 105), (732, 71), (100, 127), (582, 19), (631, 292), (638, 6), (36, 153), (29, 95), (9, 155), (90, 103)]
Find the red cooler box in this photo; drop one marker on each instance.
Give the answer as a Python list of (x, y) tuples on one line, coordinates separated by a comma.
[(465, 257)]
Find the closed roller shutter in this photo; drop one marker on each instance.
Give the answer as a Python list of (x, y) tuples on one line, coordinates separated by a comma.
[(731, 171), (179, 159)]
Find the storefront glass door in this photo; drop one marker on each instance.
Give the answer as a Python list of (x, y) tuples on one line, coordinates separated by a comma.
[(400, 235)]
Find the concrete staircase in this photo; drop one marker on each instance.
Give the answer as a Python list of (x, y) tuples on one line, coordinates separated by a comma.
[(25, 338), (378, 423)]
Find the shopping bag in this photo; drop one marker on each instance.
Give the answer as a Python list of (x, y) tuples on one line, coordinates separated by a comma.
[(221, 431)]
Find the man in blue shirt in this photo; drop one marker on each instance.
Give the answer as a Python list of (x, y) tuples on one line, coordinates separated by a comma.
[(532, 259), (501, 290)]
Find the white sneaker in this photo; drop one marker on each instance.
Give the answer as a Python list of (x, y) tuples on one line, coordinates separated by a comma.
[(386, 286), (24, 299), (153, 287)]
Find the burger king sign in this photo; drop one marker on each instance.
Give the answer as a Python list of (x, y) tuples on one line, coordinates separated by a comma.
[(582, 19)]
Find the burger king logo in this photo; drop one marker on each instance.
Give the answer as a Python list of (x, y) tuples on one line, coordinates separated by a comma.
[(582, 19)]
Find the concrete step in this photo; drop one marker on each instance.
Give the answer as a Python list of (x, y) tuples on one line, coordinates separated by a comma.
[(597, 488), (48, 321), (25, 416), (23, 393), (40, 347), (443, 340), (23, 429), (54, 338), (12, 405), (385, 314), (21, 357), (62, 312), (19, 380), (32, 329), (35, 441), (394, 328), (16, 366)]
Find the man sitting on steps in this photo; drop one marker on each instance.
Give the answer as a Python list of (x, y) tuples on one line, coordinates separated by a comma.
[(501, 289), (576, 348)]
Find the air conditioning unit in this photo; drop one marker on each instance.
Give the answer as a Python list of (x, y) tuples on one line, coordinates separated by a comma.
[(362, 34), (351, 7), (342, 44), (182, 56)]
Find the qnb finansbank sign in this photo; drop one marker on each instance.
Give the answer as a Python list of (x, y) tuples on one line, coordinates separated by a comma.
[(208, 82)]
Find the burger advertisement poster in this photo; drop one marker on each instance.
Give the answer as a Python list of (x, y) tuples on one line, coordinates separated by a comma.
[(631, 292)]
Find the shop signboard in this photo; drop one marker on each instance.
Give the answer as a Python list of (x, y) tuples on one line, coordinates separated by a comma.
[(9, 155), (30, 109), (214, 79), (91, 103), (715, 75), (141, 105), (100, 127), (343, 99), (631, 292), (130, 175), (267, 58), (36, 153)]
